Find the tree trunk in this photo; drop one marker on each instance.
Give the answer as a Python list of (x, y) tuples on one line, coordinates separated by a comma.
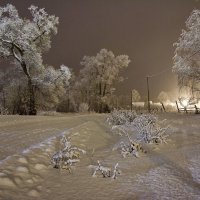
[(104, 89), (32, 108), (100, 89), (4, 99), (31, 92)]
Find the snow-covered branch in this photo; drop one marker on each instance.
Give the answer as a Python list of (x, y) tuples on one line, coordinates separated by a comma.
[(105, 172)]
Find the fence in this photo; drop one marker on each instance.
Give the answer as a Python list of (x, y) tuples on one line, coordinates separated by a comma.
[(188, 109)]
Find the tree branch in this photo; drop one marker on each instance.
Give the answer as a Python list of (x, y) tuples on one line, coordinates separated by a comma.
[(13, 44), (15, 55), (21, 52), (35, 39)]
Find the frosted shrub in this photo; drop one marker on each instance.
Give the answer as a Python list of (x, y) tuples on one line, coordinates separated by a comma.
[(3, 111), (83, 108), (131, 147), (138, 129), (149, 129), (121, 117), (105, 171), (67, 156)]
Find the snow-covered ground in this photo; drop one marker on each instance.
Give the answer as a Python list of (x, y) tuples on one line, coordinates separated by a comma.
[(168, 171)]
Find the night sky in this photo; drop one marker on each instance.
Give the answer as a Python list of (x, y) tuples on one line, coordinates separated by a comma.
[(143, 29)]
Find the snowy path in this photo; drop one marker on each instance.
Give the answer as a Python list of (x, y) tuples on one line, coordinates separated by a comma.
[(18, 133)]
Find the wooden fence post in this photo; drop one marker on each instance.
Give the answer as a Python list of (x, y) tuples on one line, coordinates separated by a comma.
[(177, 106), (163, 106), (196, 109)]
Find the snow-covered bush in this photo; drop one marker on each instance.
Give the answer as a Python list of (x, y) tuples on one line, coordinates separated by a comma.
[(130, 147), (149, 129), (121, 117), (105, 171), (3, 111), (83, 108), (67, 156), (140, 129)]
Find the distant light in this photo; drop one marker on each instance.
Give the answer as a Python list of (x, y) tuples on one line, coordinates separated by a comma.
[(184, 102)]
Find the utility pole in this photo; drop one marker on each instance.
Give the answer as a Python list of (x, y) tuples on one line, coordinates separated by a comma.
[(131, 100), (148, 95)]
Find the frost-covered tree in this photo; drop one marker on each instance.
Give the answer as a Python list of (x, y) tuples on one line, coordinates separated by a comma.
[(51, 86), (187, 54), (70, 101), (25, 40), (2, 104), (135, 96), (98, 76), (163, 97), (12, 91), (49, 89)]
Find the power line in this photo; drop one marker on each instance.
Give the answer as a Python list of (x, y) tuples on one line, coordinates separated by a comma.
[(186, 58), (162, 72), (148, 91), (159, 73)]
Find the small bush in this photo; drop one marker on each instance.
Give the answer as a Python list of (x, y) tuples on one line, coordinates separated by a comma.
[(144, 128), (67, 156), (149, 129), (121, 117), (83, 108), (3, 111)]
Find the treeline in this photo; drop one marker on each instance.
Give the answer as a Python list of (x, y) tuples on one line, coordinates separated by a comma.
[(59, 89), (31, 85)]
